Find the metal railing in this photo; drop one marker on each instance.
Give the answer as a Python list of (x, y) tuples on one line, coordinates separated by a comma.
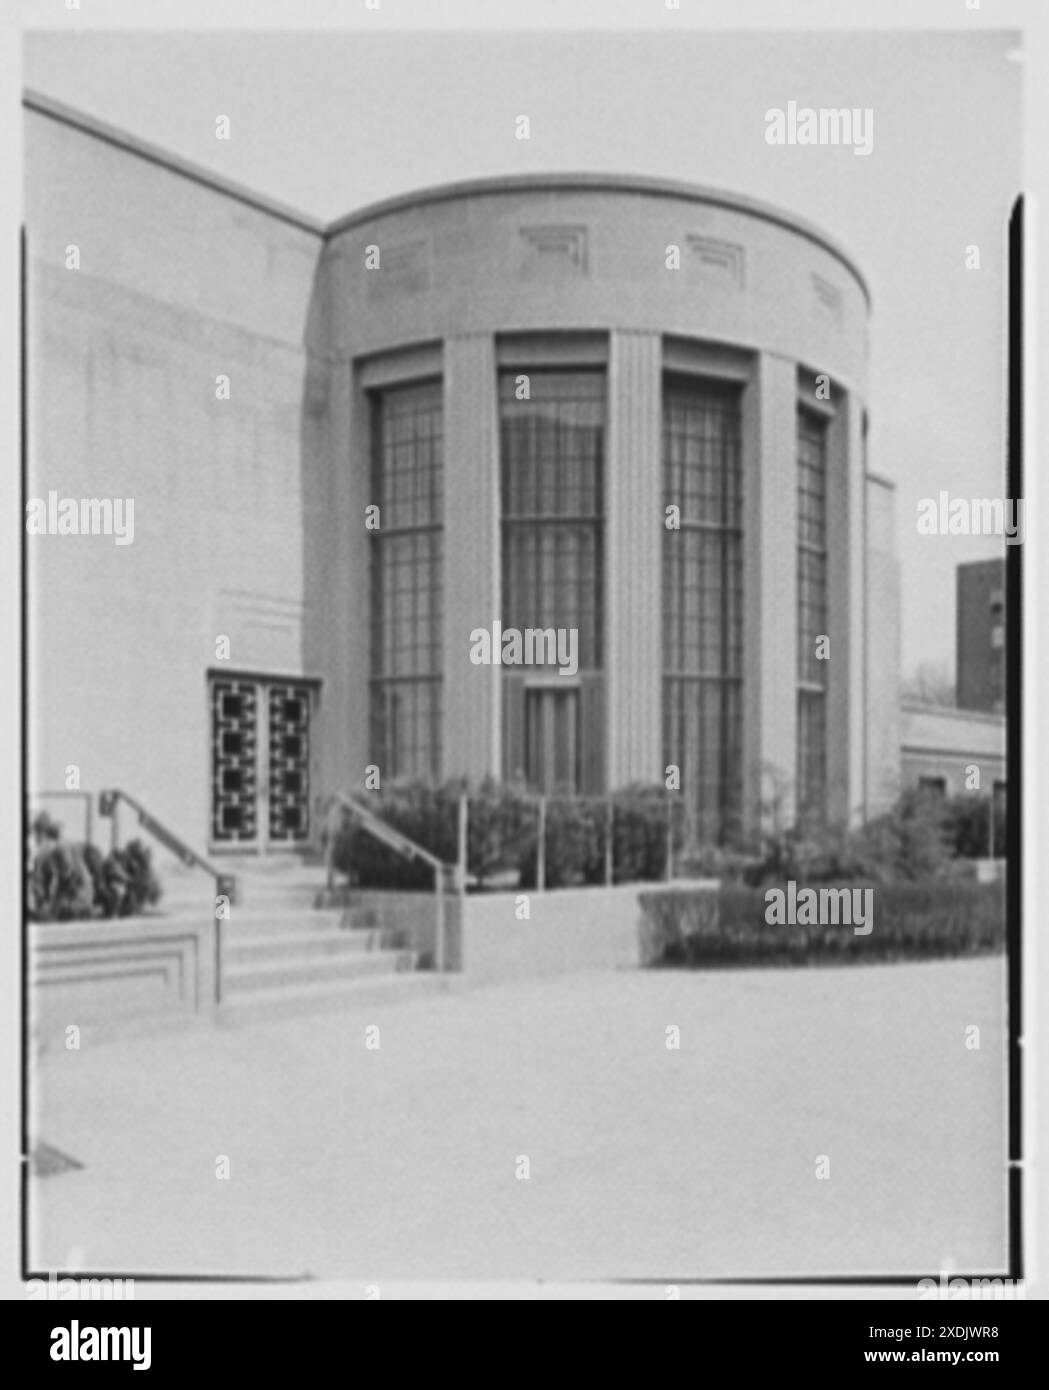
[(406, 848), (225, 883), (85, 797), (540, 802)]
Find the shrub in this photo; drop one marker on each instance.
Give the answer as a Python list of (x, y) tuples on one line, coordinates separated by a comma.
[(723, 862), (911, 921), (502, 825), (639, 833), (105, 900), (908, 843), (425, 814), (577, 838), (502, 836), (967, 819), (574, 844), (69, 883), (60, 887), (141, 888)]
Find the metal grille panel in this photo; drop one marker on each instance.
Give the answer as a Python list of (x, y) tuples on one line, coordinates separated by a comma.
[(234, 756), (289, 762)]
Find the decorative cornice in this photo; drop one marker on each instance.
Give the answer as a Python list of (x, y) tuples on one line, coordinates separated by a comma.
[(471, 188)]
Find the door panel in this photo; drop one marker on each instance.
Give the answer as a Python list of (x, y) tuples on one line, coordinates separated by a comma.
[(260, 763), (234, 757), (552, 741), (288, 777), (514, 768)]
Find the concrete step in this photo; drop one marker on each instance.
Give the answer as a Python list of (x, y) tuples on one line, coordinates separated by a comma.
[(361, 917), (244, 945), (242, 976), (249, 923), (295, 891), (277, 861), (352, 996), (291, 892)]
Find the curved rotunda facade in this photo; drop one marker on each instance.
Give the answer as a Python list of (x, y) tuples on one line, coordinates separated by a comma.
[(621, 412), (624, 408)]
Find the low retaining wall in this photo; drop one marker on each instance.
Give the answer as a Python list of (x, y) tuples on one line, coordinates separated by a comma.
[(412, 917), (111, 971), (567, 930)]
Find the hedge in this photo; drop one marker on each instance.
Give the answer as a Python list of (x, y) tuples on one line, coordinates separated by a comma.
[(911, 921), (918, 840), (502, 839)]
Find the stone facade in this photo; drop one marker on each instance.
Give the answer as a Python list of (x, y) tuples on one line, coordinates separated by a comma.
[(250, 506)]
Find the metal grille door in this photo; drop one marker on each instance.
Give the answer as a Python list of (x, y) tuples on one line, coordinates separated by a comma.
[(260, 763)]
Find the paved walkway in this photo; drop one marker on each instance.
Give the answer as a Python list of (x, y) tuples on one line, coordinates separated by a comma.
[(644, 1162)]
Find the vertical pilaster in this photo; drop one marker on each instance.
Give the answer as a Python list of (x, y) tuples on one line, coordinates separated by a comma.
[(633, 565), (472, 731), (844, 669), (854, 526), (881, 628), (770, 662)]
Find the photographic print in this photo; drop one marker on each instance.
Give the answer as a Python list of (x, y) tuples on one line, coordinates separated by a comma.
[(521, 550)]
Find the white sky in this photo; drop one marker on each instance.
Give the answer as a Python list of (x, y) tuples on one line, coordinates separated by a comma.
[(329, 122)]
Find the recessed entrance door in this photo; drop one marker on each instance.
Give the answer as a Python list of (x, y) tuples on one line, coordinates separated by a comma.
[(260, 763), (552, 741)]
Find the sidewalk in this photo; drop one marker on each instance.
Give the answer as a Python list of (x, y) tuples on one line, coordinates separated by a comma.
[(645, 1162)]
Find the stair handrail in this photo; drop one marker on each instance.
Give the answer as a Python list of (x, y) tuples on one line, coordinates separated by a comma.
[(404, 846), (42, 794), (225, 883)]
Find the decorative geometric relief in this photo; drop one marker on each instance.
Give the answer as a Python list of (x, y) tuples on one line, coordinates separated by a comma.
[(723, 259), (404, 268), (552, 251), (266, 629), (829, 296)]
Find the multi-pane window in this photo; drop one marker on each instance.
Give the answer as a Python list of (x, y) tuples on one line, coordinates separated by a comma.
[(552, 450), (552, 446), (407, 447), (812, 617), (703, 602)]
